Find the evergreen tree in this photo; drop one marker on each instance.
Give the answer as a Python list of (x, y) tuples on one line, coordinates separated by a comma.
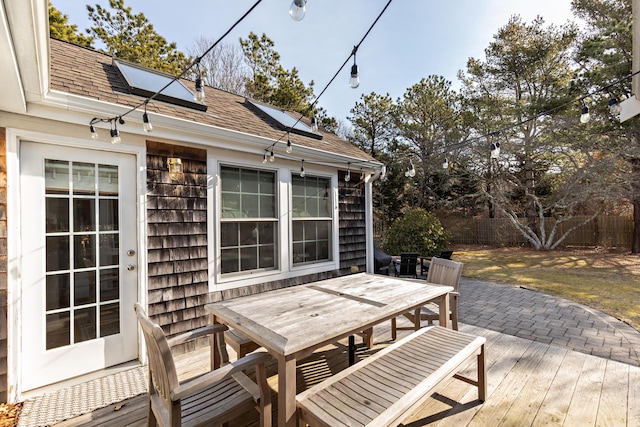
[(59, 28)]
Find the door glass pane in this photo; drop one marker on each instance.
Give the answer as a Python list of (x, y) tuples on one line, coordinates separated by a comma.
[(84, 215), (57, 215), (84, 324), (84, 287), (58, 257), (58, 330), (58, 291), (56, 176), (109, 252), (108, 214), (109, 284), (84, 251), (83, 178), (109, 319), (108, 180)]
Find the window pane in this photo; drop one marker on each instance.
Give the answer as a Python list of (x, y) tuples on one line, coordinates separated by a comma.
[(84, 323), (298, 231), (266, 233), (324, 206), (231, 205), (230, 179), (108, 215), (267, 183), (57, 215), (267, 207), (58, 291), (109, 249), (312, 207), (298, 188), (108, 180), (299, 207), (230, 260), (322, 228), (250, 206), (84, 215), (228, 234), (58, 253), (267, 256), (109, 320), (298, 253), (310, 230), (84, 178), (109, 284), (58, 330), (84, 287), (249, 181), (56, 176), (249, 258), (248, 233), (84, 251), (323, 249)]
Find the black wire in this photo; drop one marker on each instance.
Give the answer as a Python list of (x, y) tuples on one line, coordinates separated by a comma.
[(185, 71)]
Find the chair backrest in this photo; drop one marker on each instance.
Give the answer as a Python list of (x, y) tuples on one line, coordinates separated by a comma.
[(445, 254), (408, 263), (445, 272), (162, 370)]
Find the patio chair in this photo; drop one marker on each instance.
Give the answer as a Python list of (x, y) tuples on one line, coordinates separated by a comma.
[(213, 398), (442, 272), (407, 265), (443, 255)]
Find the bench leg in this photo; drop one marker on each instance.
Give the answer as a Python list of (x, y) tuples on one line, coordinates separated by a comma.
[(482, 375)]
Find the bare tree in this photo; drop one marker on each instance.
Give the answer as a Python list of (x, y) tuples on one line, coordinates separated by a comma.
[(223, 67)]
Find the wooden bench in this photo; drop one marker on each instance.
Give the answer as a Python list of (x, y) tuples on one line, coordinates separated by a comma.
[(386, 387)]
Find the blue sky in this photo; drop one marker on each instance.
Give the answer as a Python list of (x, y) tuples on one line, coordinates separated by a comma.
[(412, 40)]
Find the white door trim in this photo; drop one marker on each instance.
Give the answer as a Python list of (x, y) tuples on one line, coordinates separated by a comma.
[(14, 244)]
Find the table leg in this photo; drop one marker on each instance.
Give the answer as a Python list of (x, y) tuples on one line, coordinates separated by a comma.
[(444, 310), (287, 392)]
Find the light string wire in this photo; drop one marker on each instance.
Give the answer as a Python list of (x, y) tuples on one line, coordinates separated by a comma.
[(469, 141), (196, 62), (313, 104)]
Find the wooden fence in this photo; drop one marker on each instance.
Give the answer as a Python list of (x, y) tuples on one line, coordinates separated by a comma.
[(604, 231)]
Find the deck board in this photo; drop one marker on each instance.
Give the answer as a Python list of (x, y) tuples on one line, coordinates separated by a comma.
[(529, 383)]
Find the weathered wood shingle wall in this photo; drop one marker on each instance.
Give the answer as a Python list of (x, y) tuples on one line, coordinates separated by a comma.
[(3, 266), (353, 233), (177, 238)]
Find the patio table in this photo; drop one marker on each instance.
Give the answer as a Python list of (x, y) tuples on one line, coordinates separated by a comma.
[(293, 322)]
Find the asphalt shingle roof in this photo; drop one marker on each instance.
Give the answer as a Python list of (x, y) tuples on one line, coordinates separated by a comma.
[(85, 72)]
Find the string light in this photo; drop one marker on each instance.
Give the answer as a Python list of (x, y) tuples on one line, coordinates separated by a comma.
[(264, 158), (354, 81), (302, 173), (272, 157), (584, 113), (289, 147), (314, 124), (614, 106), (94, 133), (297, 9), (411, 170), (495, 150), (146, 124), (347, 177), (445, 163)]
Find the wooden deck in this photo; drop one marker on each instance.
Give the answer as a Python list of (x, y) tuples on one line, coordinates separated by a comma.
[(529, 384)]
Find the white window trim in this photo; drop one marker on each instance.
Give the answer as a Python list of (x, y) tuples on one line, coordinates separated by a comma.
[(286, 270)]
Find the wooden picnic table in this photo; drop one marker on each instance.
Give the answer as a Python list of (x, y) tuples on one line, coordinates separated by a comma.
[(293, 322)]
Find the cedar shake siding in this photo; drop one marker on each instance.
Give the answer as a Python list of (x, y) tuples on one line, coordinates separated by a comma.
[(353, 233), (3, 266), (177, 238)]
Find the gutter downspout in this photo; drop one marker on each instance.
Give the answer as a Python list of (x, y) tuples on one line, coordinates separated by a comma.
[(368, 196)]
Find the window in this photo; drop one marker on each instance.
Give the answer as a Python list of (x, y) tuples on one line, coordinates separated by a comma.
[(286, 122), (249, 220), (311, 219)]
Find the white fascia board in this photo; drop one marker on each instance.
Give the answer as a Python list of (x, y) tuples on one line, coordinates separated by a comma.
[(11, 87), (629, 108)]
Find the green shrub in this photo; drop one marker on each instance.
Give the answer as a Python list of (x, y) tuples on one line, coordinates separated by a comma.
[(416, 231)]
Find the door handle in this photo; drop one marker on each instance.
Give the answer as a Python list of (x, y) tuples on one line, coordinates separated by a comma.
[(131, 267)]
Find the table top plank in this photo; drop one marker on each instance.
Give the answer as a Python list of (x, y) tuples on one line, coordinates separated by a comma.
[(301, 318)]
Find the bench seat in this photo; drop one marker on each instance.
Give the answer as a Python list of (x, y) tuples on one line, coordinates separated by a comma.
[(386, 387)]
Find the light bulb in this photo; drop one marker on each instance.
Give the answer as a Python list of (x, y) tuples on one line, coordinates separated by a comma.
[(298, 9), (347, 177), (495, 150), (272, 157), (289, 147), (445, 164), (354, 81), (614, 106), (199, 96), (302, 173), (264, 158), (115, 136), (584, 114), (146, 124), (94, 133), (314, 124)]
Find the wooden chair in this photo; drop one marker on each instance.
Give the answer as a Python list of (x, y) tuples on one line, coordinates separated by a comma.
[(424, 267), (442, 272), (212, 398), (407, 265)]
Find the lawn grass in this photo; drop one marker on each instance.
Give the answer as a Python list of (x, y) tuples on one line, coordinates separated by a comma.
[(606, 281)]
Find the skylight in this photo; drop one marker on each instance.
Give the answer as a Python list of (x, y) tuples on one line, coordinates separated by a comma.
[(285, 121), (146, 82)]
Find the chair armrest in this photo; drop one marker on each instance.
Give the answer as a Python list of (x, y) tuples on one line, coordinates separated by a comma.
[(196, 333), (192, 386)]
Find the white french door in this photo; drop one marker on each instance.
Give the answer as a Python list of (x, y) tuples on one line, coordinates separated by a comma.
[(79, 262)]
